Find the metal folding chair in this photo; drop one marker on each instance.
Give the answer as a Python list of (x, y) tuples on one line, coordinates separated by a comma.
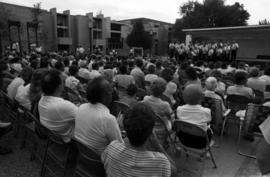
[(255, 115), (88, 162), (235, 103), (188, 134)]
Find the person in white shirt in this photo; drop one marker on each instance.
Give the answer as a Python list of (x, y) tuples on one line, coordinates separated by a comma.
[(72, 82), (83, 71), (94, 73), (56, 114), (25, 77), (94, 125), (266, 78), (193, 112), (22, 96)]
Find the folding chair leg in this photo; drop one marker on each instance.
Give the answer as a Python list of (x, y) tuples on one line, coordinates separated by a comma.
[(212, 158), (202, 166), (223, 127), (43, 168)]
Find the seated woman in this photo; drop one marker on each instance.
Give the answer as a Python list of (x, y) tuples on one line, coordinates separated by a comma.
[(132, 158), (239, 88), (130, 98), (123, 80), (160, 107), (193, 112), (211, 85)]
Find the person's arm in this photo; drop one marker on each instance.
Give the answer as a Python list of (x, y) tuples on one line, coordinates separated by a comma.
[(112, 129)]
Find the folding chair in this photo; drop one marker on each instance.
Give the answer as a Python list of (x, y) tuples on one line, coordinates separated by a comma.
[(190, 135), (119, 109), (163, 132), (255, 115), (235, 103), (88, 162), (61, 153), (30, 136), (259, 95)]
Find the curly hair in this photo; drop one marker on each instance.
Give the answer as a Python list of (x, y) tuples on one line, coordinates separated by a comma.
[(139, 123)]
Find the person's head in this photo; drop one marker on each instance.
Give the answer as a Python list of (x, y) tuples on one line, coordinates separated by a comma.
[(35, 86), (123, 69), (233, 64), (44, 63), (139, 123), (211, 83), (241, 65), (73, 70), (139, 63), (167, 74), (267, 71), (51, 83), (108, 75), (26, 75), (66, 62), (59, 66), (132, 90), (240, 78), (158, 64), (95, 66), (152, 69), (158, 86), (193, 94), (171, 88), (254, 72), (191, 73), (217, 74), (99, 90)]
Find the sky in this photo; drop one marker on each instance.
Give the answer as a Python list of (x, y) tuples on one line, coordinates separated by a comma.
[(163, 10)]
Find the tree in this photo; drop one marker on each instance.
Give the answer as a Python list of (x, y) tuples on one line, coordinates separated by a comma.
[(37, 13), (210, 13), (264, 22), (139, 37), (5, 15)]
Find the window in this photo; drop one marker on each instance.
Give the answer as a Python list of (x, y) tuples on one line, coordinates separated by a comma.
[(115, 27)]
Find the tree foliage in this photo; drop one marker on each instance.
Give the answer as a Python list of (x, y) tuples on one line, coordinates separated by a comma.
[(211, 13), (139, 37), (264, 22)]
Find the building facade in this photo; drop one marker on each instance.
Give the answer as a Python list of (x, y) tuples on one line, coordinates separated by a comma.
[(161, 33), (61, 31)]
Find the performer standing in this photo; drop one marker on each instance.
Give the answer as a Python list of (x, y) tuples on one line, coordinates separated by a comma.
[(234, 50)]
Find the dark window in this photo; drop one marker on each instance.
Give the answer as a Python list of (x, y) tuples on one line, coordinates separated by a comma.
[(115, 27)]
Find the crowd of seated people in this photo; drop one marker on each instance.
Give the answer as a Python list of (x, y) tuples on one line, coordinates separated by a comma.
[(173, 91)]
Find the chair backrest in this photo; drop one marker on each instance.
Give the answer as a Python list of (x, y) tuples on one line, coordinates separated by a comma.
[(215, 106), (258, 93), (237, 102), (89, 159), (267, 88), (119, 107), (255, 115), (191, 135)]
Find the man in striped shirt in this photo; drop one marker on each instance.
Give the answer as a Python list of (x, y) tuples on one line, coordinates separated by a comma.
[(132, 158)]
